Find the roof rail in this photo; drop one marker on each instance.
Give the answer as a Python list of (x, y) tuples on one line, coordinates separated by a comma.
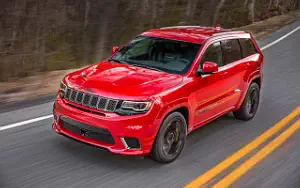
[(181, 26), (227, 32)]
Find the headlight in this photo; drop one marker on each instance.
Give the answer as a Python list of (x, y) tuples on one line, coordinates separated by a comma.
[(62, 90), (62, 86), (132, 107), (136, 106)]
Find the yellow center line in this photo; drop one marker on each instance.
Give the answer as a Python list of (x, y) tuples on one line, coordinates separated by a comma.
[(203, 179), (269, 148)]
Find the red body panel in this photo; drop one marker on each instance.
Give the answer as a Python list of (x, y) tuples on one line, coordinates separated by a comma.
[(205, 97)]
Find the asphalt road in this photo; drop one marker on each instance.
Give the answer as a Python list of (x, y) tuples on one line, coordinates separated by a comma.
[(34, 156)]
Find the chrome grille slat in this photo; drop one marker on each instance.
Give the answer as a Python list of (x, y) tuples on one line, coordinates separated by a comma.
[(86, 100), (68, 93), (91, 101), (73, 95), (98, 102), (111, 105), (79, 97), (102, 104), (106, 105)]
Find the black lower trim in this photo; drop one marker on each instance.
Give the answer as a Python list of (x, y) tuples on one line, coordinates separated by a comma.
[(86, 130), (132, 143)]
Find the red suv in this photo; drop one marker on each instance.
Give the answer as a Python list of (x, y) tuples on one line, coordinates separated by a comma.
[(165, 83)]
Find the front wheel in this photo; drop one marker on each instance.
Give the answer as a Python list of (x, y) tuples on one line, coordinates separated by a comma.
[(249, 106), (170, 139)]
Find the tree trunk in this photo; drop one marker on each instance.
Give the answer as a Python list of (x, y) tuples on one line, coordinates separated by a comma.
[(86, 43), (144, 13), (42, 53), (190, 9), (101, 45), (220, 5), (251, 10), (154, 13), (246, 3)]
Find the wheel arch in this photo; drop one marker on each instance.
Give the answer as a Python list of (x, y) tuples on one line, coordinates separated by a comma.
[(181, 107), (256, 79), (184, 111)]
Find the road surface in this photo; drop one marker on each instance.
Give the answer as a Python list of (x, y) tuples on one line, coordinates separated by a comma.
[(32, 155)]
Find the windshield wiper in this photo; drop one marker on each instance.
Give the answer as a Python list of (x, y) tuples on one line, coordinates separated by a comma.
[(118, 61), (147, 67)]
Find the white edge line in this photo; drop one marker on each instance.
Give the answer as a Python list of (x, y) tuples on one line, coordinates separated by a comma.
[(50, 116), (25, 122), (280, 39)]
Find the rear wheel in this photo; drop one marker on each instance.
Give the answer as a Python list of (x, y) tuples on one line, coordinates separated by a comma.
[(170, 139), (250, 104)]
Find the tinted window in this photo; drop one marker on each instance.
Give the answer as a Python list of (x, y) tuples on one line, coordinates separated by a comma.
[(159, 54), (247, 47), (232, 51), (214, 54)]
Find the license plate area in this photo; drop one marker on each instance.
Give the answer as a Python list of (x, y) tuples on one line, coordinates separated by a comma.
[(88, 131)]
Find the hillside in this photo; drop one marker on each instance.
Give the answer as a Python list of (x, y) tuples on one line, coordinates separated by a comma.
[(47, 35)]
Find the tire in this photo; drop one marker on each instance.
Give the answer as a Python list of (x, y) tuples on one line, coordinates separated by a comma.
[(250, 104), (173, 128)]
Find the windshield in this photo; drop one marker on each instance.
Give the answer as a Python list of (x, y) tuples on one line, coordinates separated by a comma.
[(158, 54)]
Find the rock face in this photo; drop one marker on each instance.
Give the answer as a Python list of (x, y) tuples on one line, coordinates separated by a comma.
[(44, 35)]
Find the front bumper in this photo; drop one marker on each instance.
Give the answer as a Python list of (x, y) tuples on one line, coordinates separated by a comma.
[(142, 127)]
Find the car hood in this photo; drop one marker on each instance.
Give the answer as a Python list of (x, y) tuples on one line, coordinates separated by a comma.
[(114, 80)]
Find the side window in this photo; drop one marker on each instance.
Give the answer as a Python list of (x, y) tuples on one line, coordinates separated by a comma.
[(213, 54), (247, 47), (232, 50)]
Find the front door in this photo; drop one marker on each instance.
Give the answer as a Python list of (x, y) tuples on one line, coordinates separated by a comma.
[(212, 90)]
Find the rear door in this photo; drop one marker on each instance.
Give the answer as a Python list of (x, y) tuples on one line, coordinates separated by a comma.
[(251, 62), (235, 68)]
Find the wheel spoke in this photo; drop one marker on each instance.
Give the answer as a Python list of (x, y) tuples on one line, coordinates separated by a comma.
[(169, 141), (252, 102), (249, 105), (172, 138), (167, 148)]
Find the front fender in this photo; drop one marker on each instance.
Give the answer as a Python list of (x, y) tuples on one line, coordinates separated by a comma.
[(172, 106)]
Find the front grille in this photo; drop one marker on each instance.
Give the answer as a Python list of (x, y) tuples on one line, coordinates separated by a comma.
[(68, 93), (73, 95), (88, 131), (79, 98), (86, 100), (111, 104), (92, 101), (102, 103)]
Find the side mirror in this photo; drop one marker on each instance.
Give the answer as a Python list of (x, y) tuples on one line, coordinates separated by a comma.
[(115, 49), (208, 68)]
